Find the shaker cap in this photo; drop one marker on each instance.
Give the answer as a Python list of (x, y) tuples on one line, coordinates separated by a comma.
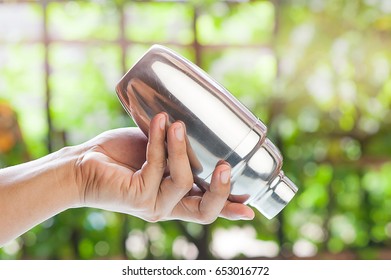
[(280, 191), (258, 176)]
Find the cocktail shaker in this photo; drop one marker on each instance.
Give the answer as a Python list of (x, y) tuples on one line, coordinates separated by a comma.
[(218, 127)]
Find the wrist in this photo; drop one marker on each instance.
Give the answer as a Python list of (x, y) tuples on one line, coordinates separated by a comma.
[(65, 161)]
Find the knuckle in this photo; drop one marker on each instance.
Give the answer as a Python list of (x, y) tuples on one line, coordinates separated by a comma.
[(154, 218), (183, 183), (156, 162), (223, 192), (206, 219), (220, 190), (178, 152), (188, 182)]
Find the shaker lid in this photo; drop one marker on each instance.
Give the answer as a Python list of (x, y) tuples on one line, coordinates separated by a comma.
[(280, 191), (259, 178)]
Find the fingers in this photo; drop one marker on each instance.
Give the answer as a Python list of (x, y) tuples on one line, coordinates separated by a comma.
[(213, 203), (174, 196), (153, 169), (237, 211), (178, 161), (180, 181), (215, 198), (166, 192)]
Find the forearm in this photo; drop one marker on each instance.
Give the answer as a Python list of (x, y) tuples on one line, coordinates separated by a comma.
[(32, 192)]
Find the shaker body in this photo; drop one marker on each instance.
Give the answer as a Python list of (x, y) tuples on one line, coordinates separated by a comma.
[(217, 125)]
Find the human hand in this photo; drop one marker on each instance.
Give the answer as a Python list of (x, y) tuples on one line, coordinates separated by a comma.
[(120, 170), (123, 171)]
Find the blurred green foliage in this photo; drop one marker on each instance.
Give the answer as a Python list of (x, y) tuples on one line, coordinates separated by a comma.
[(316, 72)]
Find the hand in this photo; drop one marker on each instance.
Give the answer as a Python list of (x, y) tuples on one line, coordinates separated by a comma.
[(120, 170), (123, 171)]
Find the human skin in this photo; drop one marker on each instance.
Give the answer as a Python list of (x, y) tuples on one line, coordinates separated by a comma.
[(119, 170)]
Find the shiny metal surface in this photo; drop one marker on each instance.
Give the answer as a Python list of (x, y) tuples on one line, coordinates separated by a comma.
[(218, 127)]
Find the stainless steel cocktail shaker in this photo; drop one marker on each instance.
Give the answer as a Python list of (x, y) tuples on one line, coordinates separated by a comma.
[(218, 127)]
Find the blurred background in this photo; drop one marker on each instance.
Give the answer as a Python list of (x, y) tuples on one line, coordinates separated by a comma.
[(317, 72)]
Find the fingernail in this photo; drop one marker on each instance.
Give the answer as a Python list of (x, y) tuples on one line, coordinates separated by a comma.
[(224, 176), (249, 216), (246, 218), (179, 134), (162, 122)]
